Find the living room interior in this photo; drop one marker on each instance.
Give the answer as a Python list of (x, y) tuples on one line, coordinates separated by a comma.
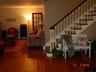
[(38, 35)]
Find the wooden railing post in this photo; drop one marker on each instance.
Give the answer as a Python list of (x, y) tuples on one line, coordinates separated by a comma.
[(51, 37)]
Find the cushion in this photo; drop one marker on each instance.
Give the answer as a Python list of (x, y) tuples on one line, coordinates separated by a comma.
[(83, 41), (80, 39), (75, 39), (35, 31)]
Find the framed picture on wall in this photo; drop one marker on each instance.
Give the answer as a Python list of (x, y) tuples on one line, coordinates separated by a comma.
[(11, 19)]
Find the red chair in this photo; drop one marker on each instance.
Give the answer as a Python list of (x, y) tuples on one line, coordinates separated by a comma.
[(12, 32), (11, 38)]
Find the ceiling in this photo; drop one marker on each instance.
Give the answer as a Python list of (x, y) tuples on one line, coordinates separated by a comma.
[(21, 2)]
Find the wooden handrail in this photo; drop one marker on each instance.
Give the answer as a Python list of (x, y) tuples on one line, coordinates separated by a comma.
[(52, 27)]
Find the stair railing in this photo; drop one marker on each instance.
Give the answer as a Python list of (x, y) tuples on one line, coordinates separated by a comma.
[(68, 19)]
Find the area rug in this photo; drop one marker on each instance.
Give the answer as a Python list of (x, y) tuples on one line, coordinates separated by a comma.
[(17, 47)]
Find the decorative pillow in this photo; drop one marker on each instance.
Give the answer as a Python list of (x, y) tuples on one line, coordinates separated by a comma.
[(75, 39), (83, 40)]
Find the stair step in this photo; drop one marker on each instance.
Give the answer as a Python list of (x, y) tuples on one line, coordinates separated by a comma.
[(76, 28), (67, 32), (88, 16), (81, 23), (86, 19), (94, 8), (77, 23), (93, 14), (73, 32), (92, 11), (70, 32)]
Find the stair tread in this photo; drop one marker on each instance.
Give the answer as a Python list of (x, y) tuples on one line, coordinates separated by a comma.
[(92, 11), (73, 33), (86, 19), (81, 23), (94, 8), (88, 15), (93, 14), (76, 28), (70, 32)]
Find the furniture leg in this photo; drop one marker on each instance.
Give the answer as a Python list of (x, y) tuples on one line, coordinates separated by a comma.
[(89, 53), (85, 52)]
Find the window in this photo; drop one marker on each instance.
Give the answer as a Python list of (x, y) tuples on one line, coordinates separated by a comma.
[(36, 20)]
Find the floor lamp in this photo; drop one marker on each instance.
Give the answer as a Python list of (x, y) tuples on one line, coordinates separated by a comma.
[(28, 17)]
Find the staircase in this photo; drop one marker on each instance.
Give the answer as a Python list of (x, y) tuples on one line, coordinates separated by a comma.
[(75, 22)]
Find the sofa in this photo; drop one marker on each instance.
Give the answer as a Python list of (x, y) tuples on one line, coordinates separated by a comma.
[(36, 39)]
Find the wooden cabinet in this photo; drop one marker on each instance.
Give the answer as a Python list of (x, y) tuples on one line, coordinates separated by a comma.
[(0, 30), (23, 30)]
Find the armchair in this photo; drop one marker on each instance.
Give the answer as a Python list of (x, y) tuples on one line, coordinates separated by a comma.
[(73, 43), (12, 32)]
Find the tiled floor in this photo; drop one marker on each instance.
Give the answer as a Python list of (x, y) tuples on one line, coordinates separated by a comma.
[(27, 60)]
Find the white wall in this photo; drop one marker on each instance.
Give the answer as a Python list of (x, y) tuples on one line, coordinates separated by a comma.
[(55, 10), (19, 13)]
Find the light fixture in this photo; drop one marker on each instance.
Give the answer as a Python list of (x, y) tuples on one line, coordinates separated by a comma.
[(28, 17)]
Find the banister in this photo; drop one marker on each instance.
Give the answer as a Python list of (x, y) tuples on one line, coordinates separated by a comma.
[(52, 27)]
